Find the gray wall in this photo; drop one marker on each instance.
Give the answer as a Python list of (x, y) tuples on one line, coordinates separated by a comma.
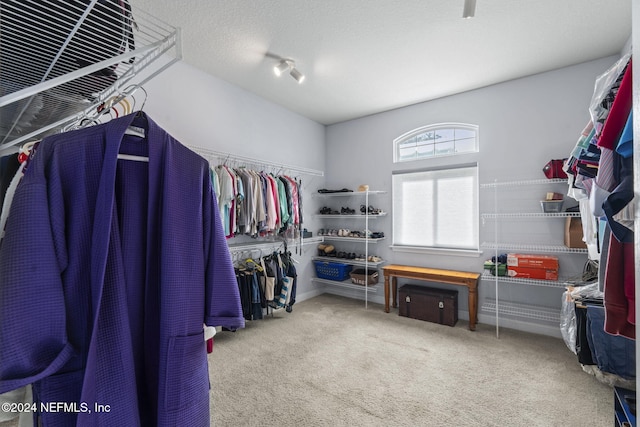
[(202, 111), (522, 124)]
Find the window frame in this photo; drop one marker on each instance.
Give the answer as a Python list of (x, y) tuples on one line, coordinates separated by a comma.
[(433, 128), (474, 250)]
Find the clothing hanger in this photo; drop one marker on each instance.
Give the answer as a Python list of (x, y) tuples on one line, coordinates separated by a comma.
[(144, 101), (252, 265), (25, 150), (136, 131), (126, 106)]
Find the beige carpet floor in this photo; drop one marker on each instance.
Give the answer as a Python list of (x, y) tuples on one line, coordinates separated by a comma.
[(331, 362)]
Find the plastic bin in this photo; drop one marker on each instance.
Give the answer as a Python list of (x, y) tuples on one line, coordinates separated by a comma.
[(332, 270), (551, 206)]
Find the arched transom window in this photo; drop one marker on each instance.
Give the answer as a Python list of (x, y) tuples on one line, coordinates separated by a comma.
[(444, 139)]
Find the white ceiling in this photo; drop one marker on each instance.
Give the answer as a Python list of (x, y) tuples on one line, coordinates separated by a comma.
[(366, 56)]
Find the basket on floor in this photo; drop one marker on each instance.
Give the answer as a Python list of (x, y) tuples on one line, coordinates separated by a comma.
[(359, 277), (332, 270)]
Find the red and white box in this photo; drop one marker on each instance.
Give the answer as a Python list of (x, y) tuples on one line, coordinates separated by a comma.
[(545, 262), (532, 273)]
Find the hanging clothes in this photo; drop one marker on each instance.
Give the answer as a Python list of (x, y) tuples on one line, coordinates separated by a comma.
[(8, 198), (600, 172), (108, 270), (258, 204), (292, 274), (225, 196), (11, 172), (8, 168)]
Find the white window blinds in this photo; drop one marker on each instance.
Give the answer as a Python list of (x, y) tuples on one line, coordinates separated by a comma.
[(436, 208)]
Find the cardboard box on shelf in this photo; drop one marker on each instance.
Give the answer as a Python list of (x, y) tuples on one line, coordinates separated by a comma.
[(573, 233), (532, 273), (554, 196), (533, 261)]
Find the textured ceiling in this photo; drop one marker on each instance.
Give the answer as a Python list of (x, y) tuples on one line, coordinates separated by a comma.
[(366, 56)]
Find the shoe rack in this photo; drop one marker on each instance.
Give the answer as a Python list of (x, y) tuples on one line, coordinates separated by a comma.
[(343, 216)]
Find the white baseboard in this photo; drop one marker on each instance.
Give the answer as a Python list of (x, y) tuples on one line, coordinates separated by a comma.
[(310, 294), (534, 328), (487, 319)]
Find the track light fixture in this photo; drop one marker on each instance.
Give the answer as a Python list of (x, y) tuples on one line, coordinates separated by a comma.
[(469, 9), (282, 67), (297, 75), (288, 65)]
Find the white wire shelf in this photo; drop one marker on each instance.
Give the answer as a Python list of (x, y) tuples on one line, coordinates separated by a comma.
[(350, 193), (523, 182), (60, 63), (508, 247), (358, 216), (266, 244), (527, 311), (360, 263), (353, 239), (560, 283), (530, 215), (347, 284)]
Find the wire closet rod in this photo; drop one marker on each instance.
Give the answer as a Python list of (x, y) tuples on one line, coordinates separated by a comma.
[(275, 244), (226, 156)]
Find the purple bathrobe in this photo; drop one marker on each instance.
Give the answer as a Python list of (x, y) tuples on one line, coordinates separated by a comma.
[(108, 270)]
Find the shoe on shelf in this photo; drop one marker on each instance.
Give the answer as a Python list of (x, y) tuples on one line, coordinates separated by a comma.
[(374, 211)]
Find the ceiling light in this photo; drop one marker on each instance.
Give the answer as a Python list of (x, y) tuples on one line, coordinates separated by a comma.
[(297, 75), (282, 67), (469, 9), (285, 65)]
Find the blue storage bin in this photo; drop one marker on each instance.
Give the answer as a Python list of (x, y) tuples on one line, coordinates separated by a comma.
[(332, 270)]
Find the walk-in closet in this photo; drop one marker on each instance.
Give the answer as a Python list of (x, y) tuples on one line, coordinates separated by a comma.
[(286, 213)]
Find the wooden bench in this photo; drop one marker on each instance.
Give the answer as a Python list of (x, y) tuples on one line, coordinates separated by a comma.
[(460, 278)]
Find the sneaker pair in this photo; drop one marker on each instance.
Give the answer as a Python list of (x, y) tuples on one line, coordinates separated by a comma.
[(346, 255), (371, 210)]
